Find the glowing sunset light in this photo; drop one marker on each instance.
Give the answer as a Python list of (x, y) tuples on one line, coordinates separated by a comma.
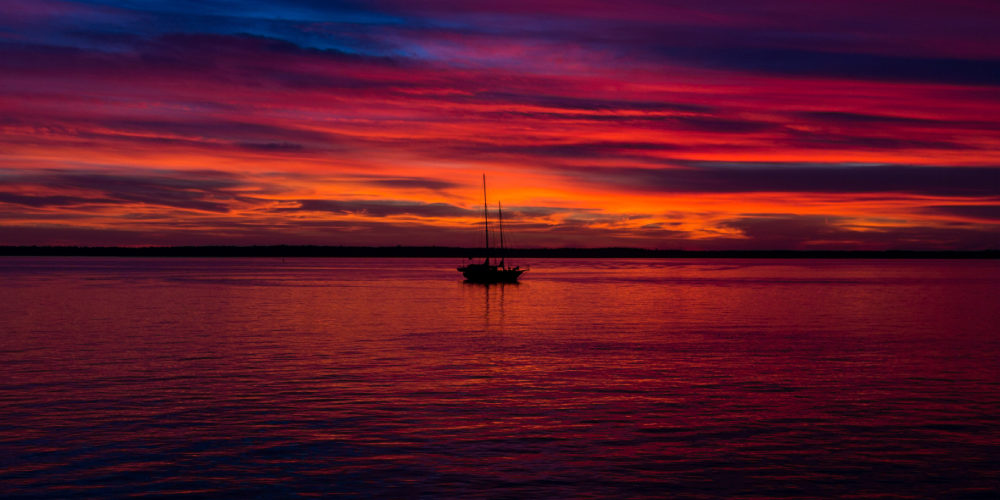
[(849, 125)]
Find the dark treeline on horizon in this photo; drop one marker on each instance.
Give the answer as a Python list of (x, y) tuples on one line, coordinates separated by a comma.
[(435, 251)]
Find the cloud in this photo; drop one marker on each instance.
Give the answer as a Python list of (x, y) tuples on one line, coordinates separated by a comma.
[(721, 125), (582, 103), (846, 65), (786, 230), (276, 147), (802, 232), (49, 201), (413, 183), (735, 177), (582, 149), (846, 117), (207, 191), (982, 212), (396, 102), (828, 140), (532, 212), (225, 129), (381, 208)]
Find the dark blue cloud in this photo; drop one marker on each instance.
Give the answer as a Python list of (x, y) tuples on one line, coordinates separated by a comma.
[(848, 65), (821, 45)]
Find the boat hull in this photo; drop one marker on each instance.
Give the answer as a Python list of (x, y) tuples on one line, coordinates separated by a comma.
[(482, 273)]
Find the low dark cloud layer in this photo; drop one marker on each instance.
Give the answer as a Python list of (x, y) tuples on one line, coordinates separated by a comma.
[(804, 232), (381, 208), (982, 212), (208, 191), (50, 201), (716, 177)]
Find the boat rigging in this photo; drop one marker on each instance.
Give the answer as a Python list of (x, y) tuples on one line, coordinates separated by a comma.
[(495, 271)]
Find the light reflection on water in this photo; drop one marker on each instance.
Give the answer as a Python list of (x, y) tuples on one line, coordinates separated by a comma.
[(602, 378)]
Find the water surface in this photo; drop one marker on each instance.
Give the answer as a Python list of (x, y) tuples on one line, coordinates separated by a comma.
[(591, 378)]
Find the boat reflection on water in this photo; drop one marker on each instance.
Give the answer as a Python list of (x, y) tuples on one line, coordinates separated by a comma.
[(495, 271), (493, 298)]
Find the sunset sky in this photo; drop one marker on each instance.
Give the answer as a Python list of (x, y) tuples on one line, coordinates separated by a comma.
[(675, 125)]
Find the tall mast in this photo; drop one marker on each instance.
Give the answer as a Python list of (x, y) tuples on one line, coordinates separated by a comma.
[(486, 220), (500, 215)]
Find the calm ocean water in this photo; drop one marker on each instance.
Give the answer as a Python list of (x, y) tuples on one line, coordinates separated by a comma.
[(592, 378)]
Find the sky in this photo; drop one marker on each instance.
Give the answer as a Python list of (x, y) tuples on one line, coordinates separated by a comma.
[(672, 125)]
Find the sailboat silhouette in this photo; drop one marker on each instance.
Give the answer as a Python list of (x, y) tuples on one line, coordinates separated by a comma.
[(497, 270)]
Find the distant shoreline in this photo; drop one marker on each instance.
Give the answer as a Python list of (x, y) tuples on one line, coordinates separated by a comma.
[(459, 252)]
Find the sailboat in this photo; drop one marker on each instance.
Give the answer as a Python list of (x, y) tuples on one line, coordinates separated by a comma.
[(495, 271)]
